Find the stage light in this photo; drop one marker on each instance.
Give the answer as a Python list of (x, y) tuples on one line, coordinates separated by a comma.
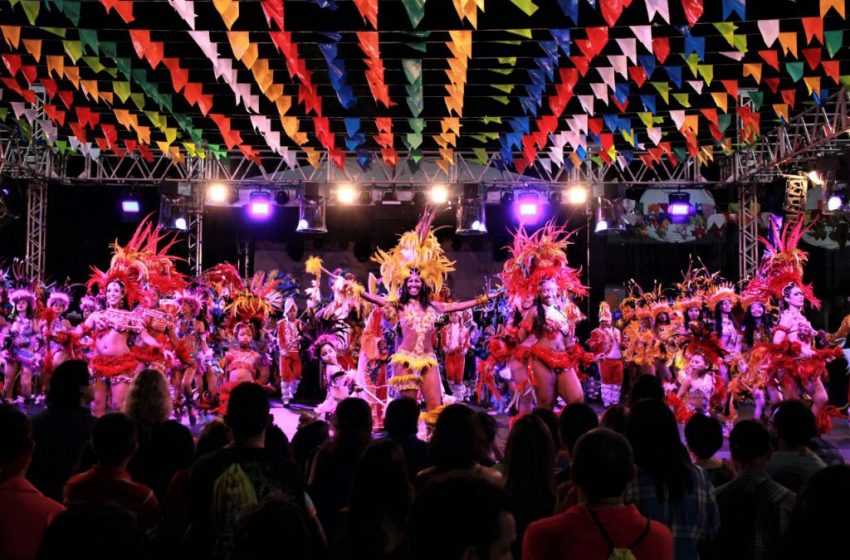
[(281, 197), (577, 195), (390, 199), (218, 193), (130, 206), (527, 208), (556, 198), (507, 198), (366, 196), (311, 214), (471, 212), (439, 194), (815, 178), (609, 209), (838, 198), (260, 205), (679, 207), (173, 213), (346, 193)]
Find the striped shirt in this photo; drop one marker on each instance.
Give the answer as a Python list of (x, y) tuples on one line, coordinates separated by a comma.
[(114, 487)]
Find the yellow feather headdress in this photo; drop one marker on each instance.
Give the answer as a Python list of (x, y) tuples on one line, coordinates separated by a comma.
[(416, 250)]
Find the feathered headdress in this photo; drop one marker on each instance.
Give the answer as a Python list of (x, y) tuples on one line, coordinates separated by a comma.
[(538, 257), (723, 290), (193, 298), (782, 265), (701, 341), (144, 268), (59, 292), (692, 289), (605, 312), (20, 286), (658, 303), (321, 330), (417, 250), (250, 301)]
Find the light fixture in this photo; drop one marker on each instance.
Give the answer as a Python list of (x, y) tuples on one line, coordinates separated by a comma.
[(527, 208), (439, 194), (679, 207), (838, 198), (366, 196), (609, 209), (556, 198), (389, 198), (815, 177), (346, 193), (130, 205), (260, 205), (311, 213), (218, 193), (507, 198), (577, 195), (281, 197), (173, 213), (471, 212)]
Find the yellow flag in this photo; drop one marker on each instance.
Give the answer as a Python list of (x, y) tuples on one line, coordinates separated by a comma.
[(229, 10), (721, 100)]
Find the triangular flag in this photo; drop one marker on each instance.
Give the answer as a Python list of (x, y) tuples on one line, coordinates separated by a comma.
[(813, 27), (833, 41), (644, 35), (753, 69), (721, 99), (825, 5), (659, 7), (788, 40), (661, 48), (771, 57), (769, 30)]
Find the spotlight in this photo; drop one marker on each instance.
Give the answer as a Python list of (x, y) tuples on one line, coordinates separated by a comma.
[(218, 193), (260, 205), (507, 198), (390, 199), (556, 198), (609, 209), (471, 212), (815, 178), (439, 194), (130, 206), (173, 213), (365, 196), (838, 198), (527, 208), (281, 197), (679, 207), (311, 214), (577, 195), (346, 193)]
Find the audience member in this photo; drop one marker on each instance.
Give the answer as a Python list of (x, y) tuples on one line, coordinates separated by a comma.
[(601, 524), (820, 517), (458, 445), (551, 420), (277, 443), (114, 443), (646, 386), (576, 420), (374, 524), (754, 510), (93, 532), (615, 418), (306, 442), (333, 469), (165, 446), (279, 528), (668, 487), (461, 516), (529, 472), (62, 431), (793, 462), (704, 436), (25, 512), (401, 422), (225, 484), (826, 450), (493, 453)]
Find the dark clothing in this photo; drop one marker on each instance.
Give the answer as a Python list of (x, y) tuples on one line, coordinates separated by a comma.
[(415, 454), (225, 484), (114, 487), (333, 475), (59, 435), (754, 513), (163, 450)]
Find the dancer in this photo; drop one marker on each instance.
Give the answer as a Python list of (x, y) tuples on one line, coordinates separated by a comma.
[(336, 379), (664, 331), (288, 331), (21, 347), (242, 362), (722, 299), (605, 341), (377, 344), (754, 376), (538, 269), (192, 332), (56, 330), (702, 387), (640, 344), (796, 366), (415, 269), (454, 341)]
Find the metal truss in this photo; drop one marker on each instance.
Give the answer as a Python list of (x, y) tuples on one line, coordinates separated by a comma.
[(36, 227), (748, 243), (195, 233), (820, 130)]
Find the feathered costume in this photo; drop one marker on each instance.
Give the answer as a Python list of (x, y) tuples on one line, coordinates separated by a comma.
[(708, 387)]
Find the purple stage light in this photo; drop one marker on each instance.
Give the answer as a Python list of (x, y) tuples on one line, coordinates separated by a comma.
[(527, 208), (679, 207), (130, 206), (260, 205)]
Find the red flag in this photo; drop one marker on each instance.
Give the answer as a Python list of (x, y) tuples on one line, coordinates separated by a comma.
[(611, 10), (693, 10), (771, 57), (661, 48)]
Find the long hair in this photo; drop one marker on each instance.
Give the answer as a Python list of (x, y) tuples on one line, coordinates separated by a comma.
[(718, 319), (751, 324), (424, 297), (530, 469), (381, 494), (654, 435), (149, 401)]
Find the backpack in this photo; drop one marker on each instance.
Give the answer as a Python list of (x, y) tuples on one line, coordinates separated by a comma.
[(615, 553)]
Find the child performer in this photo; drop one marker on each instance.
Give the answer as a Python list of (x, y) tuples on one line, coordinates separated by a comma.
[(605, 341), (454, 338), (289, 358), (702, 386)]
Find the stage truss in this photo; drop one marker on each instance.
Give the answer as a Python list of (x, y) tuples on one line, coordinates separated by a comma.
[(816, 132)]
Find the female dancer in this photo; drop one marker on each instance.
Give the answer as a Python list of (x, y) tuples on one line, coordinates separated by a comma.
[(538, 267), (722, 299), (192, 331), (664, 332), (242, 363), (55, 329), (754, 375), (701, 387), (416, 268), (338, 380), (20, 345)]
